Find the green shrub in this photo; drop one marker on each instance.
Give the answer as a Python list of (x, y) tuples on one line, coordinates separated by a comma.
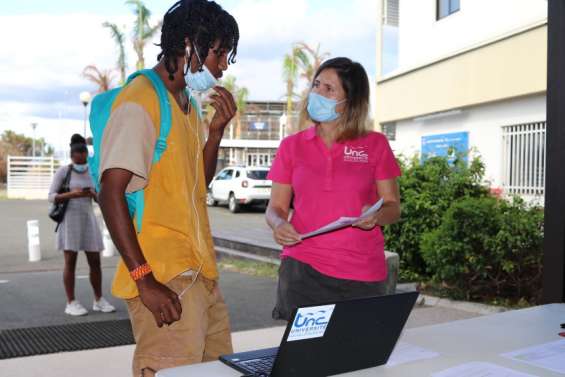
[(487, 249), (427, 190)]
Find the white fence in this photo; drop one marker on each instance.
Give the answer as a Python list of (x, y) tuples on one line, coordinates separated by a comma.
[(30, 177), (524, 159)]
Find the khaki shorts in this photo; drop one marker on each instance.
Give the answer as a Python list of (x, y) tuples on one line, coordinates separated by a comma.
[(202, 334)]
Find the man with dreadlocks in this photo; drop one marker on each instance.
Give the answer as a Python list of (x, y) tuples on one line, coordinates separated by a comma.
[(168, 274)]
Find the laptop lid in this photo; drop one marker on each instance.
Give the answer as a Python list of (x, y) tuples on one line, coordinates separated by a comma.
[(334, 338)]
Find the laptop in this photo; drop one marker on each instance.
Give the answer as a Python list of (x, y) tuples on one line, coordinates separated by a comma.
[(329, 339)]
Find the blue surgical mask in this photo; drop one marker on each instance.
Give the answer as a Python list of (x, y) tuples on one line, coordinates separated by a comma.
[(322, 109), (81, 168), (199, 81)]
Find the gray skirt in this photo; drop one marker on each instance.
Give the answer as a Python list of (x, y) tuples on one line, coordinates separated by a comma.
[(300, 285), (79, 229)]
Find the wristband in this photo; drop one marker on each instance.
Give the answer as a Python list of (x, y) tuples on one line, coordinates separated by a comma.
[(140, 271)]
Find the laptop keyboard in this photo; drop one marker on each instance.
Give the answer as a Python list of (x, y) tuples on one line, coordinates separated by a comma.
[(259, 366)]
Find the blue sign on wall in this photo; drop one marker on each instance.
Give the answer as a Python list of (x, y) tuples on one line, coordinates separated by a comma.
[(446, 145), (258, 126)]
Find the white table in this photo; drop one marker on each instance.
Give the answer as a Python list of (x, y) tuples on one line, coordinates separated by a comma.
[(477, 339)]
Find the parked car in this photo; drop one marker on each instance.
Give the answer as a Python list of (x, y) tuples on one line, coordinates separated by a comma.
[(240, 186)]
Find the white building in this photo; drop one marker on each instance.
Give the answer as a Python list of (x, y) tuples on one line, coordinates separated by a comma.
[(253, 139), (471, 74)]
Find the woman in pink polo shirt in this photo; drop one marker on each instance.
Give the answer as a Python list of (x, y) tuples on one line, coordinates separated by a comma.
[(335, 168)]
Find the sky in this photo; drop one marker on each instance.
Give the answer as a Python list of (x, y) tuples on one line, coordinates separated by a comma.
[(46, 45)]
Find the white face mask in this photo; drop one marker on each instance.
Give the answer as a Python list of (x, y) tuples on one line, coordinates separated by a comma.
[(81, 168), (199, 81)]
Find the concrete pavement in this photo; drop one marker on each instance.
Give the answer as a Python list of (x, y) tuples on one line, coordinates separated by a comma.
[(32, 293), (37, 299)]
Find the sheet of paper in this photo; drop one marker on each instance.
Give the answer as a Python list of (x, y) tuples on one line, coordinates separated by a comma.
[(343, 222), (480, 369), (550, 356), (406, 353)]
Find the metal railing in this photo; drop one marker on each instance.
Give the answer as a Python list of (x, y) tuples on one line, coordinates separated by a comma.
[(30, 177), (524, 159)]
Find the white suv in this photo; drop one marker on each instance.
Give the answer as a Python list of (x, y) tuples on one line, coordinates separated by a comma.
[(240, 186)]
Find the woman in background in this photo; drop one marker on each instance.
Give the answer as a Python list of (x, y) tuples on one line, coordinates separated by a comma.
[(79, 229)]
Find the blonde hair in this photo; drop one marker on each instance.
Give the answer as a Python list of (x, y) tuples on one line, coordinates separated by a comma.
[(353, 123)]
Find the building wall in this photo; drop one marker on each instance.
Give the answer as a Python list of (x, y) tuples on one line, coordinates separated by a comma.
[(508, 68), (422, 38), (484, 124)]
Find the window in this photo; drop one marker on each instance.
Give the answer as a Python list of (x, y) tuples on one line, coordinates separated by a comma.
[(257, 174), (237, 174), (221, 176), (258, 159), (389, 130), (224, 175), (391, 13), (523, 163), (447, 7)]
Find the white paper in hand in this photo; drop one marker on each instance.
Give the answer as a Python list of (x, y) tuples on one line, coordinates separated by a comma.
[(344, 222)]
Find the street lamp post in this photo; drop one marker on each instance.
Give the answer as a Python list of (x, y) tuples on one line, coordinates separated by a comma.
[(85, 99), (33, 127), (282, 124)]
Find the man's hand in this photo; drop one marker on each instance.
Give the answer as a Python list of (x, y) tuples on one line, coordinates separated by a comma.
[(161, 301), (225, 107)]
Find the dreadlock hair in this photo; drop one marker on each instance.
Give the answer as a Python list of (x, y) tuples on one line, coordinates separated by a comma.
[(204, 23)]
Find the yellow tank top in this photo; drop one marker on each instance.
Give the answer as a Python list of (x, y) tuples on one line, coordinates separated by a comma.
[(176, 234)]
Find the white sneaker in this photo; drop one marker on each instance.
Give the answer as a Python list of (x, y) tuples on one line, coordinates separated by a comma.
[(76, 309), (103, 306)]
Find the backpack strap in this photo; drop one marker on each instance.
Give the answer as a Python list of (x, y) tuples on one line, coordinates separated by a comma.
[(138, 197), (164, 110)]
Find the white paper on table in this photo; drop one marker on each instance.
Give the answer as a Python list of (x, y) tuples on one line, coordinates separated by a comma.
[(406, 353), (550, 356), (480, 369), (343, 222)]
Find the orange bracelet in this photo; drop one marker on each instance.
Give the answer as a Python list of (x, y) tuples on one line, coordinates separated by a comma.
[(140, 271)]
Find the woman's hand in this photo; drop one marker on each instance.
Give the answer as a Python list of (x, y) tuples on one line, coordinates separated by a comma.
[(285, 234), (77, 193), (369, 222)]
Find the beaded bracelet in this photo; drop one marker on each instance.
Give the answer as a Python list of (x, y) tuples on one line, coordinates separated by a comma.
[(140, 271)]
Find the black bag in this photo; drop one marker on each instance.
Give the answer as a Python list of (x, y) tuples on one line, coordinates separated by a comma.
[(57, 210)]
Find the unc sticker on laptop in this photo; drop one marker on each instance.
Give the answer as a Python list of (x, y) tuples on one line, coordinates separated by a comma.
[(310, 322)]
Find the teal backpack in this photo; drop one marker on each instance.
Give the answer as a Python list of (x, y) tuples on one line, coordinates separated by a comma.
[(100, 112)]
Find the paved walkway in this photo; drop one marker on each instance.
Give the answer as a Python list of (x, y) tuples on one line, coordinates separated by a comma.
[(248, 226), (245, 227), (45, 287)]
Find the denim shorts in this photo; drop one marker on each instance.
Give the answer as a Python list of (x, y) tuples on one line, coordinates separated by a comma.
[(300, 284)]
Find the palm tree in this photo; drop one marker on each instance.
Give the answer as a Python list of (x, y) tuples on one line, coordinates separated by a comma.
[(290, 76), (102, 78), (302, 62), (142, 30), (310, 60), (119, 37), (241, 95)]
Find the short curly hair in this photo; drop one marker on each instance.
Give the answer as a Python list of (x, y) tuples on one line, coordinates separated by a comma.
[(204, 23)]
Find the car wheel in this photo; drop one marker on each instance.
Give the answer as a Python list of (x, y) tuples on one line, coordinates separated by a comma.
[(210, 200), (233, 205)]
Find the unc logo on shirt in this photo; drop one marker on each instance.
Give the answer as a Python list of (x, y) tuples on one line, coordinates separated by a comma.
[(355, 154), (310, 322)]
